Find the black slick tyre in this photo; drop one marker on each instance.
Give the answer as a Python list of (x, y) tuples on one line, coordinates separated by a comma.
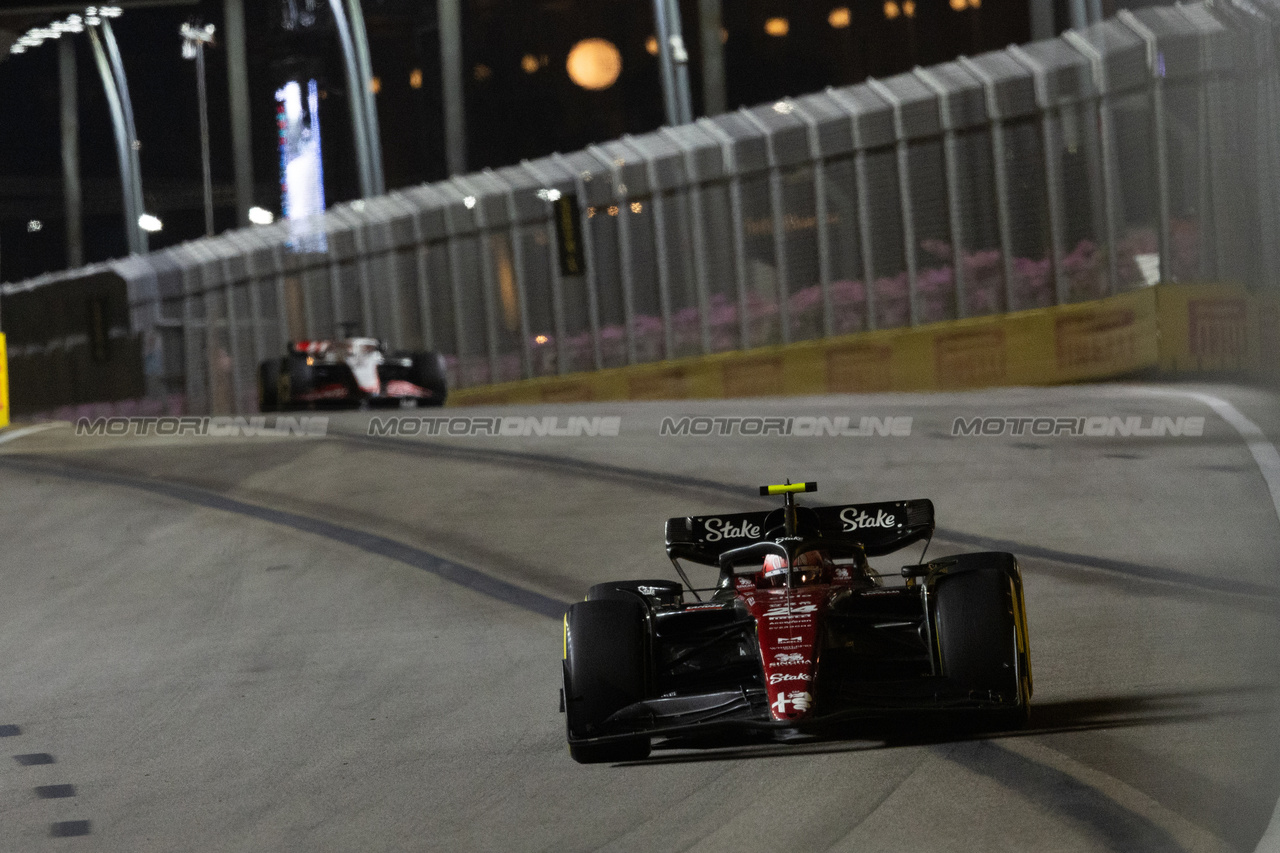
[(978, 641), (269, 386), (604, 672), (425, 373)]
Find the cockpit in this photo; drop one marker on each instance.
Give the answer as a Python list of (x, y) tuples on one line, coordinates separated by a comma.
[(798, 564)]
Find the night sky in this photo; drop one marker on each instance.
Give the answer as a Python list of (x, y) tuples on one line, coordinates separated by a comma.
[(511, 113)]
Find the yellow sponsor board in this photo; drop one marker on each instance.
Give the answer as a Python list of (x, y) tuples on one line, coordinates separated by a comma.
[(4, 383), (1179, 328), (1204, 328), (1088, 340)]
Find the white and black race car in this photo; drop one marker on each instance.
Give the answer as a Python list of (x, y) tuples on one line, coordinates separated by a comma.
[(352, 372)]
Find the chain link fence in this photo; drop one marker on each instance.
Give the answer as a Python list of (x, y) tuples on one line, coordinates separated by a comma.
[(1144, 149)]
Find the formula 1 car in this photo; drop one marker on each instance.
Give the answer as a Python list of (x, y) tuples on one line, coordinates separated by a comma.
[(798, 636), (350, 371)]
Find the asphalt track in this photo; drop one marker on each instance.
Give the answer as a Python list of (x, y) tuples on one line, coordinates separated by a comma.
[(352, 643)]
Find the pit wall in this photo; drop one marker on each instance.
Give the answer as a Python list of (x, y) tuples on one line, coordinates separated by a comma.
[(1171, 330)]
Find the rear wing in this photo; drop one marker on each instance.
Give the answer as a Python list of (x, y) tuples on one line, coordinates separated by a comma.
[(881, 528)]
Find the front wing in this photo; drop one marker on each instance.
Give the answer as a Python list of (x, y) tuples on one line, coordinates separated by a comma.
[(747, 709)]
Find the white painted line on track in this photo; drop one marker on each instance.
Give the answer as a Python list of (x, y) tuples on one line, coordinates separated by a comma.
[(1268, 460), (11, 434), (1264, 452)]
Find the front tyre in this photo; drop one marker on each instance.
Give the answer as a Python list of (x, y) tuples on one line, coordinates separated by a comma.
[(604, 672), (980, 641)]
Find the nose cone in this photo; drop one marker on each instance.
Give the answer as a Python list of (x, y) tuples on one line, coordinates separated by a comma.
[(788, 630), (791, 704)]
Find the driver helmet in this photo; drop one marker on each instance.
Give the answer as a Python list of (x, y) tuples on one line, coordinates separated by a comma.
[(812, 563), (775, 569)]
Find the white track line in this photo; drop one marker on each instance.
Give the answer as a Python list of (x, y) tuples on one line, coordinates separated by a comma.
[(10, 434), (1268, 460)]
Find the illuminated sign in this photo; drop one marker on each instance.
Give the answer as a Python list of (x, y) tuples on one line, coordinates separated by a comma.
[(301, 165)]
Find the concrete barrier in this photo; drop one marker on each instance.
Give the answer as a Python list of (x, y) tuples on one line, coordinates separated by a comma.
[(1174, 330)]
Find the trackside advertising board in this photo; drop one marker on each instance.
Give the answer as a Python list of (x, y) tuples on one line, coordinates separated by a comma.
[(4, 384), (1175, 329)]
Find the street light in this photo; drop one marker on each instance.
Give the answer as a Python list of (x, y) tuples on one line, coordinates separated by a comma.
[(194, 38)]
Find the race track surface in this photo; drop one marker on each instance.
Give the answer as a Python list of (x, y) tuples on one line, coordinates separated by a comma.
[(347, 642)]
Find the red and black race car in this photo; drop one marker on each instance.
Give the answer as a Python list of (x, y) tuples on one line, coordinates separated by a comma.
[(353, 372), (799, 635)]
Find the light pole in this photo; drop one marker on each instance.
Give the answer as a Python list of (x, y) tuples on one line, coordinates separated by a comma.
[(673, 62), (194, 38)]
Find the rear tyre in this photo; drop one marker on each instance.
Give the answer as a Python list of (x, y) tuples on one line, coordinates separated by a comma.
[(269, 386), (978, 640), (425, 372), (295, 379), (655, 591), (604, 672)]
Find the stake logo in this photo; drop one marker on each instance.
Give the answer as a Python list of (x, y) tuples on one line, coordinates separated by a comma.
[(854, 519), (779, 677), (718, 528)]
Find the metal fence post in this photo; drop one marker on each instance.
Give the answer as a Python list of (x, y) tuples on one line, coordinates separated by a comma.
[(362, 277), (739, 233), (781, 269), (489, 280), (865, 239), (398, 336), (517, 260), (950, 161), (658, 200), (455, 287), (233, 336), (245, 243), (1000, 168), (1154, 64), (423, 277), (904, 194), (197, 397), (1052, 168), (622, 199), (700, 270), (210, 341), (335, 286), (1106, 132), (557, 284), (820, 217), (282, 306), (589, 255)]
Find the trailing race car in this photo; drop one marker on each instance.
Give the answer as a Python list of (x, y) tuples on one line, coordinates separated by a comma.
[(799, 634), (351, 371)]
